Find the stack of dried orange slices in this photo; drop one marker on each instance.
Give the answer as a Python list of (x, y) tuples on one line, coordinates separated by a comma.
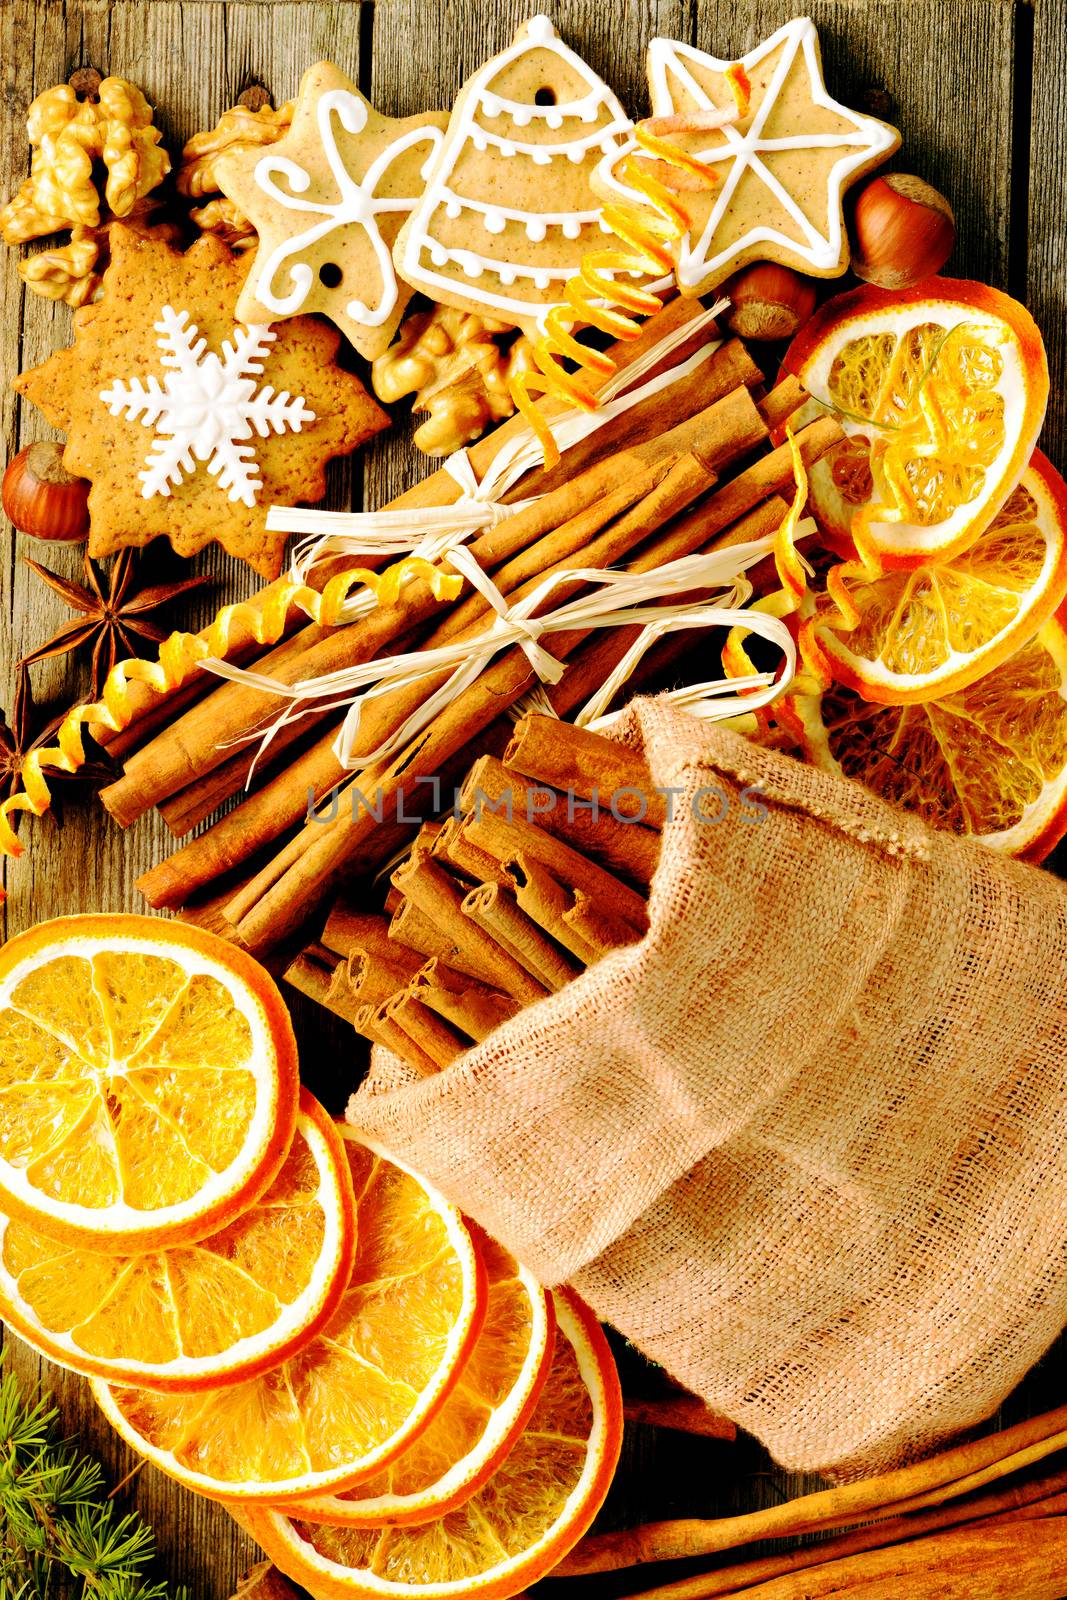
[(936, 648), (270, 1310)]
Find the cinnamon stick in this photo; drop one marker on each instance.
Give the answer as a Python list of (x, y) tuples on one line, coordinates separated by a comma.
[(572, 918), (595, 926), (1027, 1561), (504, 840), (429, 1032), (494, 910), (586, 764), (470, 1006), (437, 896), (464, 858), (412, 929), (373, 1024), (372, 979), (311, 975), (547, 903), (348, 930), (684, 1413), (953, 1473), (626, 848)]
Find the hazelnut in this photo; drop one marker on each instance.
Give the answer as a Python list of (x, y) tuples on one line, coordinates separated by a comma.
[(768, 302), (902, 230), (42, 498)]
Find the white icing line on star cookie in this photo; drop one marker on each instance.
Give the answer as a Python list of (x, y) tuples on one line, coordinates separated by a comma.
[(206, 408), (419, 245), (358, 205), (667, 57)]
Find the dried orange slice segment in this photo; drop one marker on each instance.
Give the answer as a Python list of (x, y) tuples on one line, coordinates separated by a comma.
[(989, 760), (148, 1081), (203, 1314), (534, 1508), (355, 1397), (923, 633), (941, 391), (479, 1422)]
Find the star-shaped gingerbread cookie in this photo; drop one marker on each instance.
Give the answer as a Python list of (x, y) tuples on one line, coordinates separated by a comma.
[(782, 168), (327, 202), (187, 423)]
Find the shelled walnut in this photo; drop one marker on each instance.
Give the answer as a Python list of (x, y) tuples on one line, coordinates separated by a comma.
[(237, 129), (458, 368), (112, 125), (74, 272)]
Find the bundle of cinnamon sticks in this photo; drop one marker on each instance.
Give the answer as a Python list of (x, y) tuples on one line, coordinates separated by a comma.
[(973, 1523), (683, 472), (541, 868)]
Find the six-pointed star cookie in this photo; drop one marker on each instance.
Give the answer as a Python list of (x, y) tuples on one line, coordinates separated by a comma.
[(185, 424), (327, 202), (782, 168)]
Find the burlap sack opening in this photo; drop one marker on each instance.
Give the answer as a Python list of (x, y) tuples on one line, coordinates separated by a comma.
[(805, 1143)]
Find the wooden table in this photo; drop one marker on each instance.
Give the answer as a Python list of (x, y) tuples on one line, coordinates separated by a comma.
[(979, 89)]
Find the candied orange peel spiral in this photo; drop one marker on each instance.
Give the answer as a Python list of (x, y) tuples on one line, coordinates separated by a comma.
[(181, 653), (602, 293)]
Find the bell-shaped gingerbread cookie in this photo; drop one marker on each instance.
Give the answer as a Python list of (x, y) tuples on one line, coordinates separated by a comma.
[(508, 211)]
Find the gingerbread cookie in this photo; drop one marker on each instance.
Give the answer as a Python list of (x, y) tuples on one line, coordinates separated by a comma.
[(508, 211), (186, 424), (782, 167), (327, 202)]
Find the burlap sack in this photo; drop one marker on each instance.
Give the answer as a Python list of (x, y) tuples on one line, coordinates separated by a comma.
[(805, 1144)]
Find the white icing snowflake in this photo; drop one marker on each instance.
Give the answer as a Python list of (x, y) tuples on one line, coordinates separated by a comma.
[(206, 407)]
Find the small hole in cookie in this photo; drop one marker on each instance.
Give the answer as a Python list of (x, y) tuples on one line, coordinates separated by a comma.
[(330, 274), (545, 97)]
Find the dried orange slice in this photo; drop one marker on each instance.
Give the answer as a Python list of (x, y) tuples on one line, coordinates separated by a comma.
[(479, 1422), (923, 633), (350, 1401), (148, 1081), (989, 760), (534, 1508), (202, 1314), (941, 391)]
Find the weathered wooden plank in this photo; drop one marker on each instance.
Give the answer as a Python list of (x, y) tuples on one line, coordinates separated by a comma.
[(1047, 242)]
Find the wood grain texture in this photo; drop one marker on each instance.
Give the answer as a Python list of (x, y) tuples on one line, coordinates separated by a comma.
[(1046, 266), (951, 77)]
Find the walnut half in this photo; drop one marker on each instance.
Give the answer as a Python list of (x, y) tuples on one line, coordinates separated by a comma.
[(458, 368), (67, 135)]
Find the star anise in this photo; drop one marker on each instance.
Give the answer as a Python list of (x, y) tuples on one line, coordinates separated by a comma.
[(113, 614), (17, 740)]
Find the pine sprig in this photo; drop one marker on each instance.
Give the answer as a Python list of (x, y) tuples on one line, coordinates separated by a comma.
[(59, 1534)]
